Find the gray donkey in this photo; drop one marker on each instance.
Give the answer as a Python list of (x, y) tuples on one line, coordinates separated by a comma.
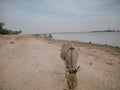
[(70, 55)]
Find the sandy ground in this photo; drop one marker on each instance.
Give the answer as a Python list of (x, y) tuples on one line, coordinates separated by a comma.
[(29, 63)]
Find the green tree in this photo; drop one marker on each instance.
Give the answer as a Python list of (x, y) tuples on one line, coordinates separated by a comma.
[(1, 25), (5, 31)]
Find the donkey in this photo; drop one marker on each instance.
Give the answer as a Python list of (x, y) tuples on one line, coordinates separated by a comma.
[(70, 56)]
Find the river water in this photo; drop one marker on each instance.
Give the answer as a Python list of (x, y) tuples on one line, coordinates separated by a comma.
[(104, 38)]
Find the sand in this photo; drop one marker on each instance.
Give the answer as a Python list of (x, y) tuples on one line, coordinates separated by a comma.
[(33, 63)]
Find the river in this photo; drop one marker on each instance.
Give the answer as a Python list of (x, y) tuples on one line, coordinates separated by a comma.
[(104, 38)]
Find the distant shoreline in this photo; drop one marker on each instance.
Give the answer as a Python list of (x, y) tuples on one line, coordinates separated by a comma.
[(86, 31), (107, 31)]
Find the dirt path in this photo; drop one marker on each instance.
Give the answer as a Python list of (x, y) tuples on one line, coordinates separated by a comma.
[(33, 64)]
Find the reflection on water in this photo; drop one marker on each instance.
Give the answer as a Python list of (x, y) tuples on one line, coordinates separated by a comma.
[(109, 38)]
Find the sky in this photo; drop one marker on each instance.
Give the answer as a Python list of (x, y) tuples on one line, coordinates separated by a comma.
[(47, 16)]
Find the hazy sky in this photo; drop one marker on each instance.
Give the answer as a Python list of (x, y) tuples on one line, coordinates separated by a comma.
[(40, 16)]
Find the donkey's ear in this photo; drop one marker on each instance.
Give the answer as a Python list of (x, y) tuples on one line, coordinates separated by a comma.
[(66, 70), (77, 69)]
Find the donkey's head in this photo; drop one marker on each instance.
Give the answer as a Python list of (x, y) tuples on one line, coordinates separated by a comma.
[(72, 79)]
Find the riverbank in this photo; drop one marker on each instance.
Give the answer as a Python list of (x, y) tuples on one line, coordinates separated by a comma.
[(29, 62)]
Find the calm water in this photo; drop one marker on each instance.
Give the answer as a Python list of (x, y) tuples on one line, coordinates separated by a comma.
[(109, 38)]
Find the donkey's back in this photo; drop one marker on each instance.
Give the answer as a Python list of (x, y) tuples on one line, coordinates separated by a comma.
[(71, 58), (70, 55)]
